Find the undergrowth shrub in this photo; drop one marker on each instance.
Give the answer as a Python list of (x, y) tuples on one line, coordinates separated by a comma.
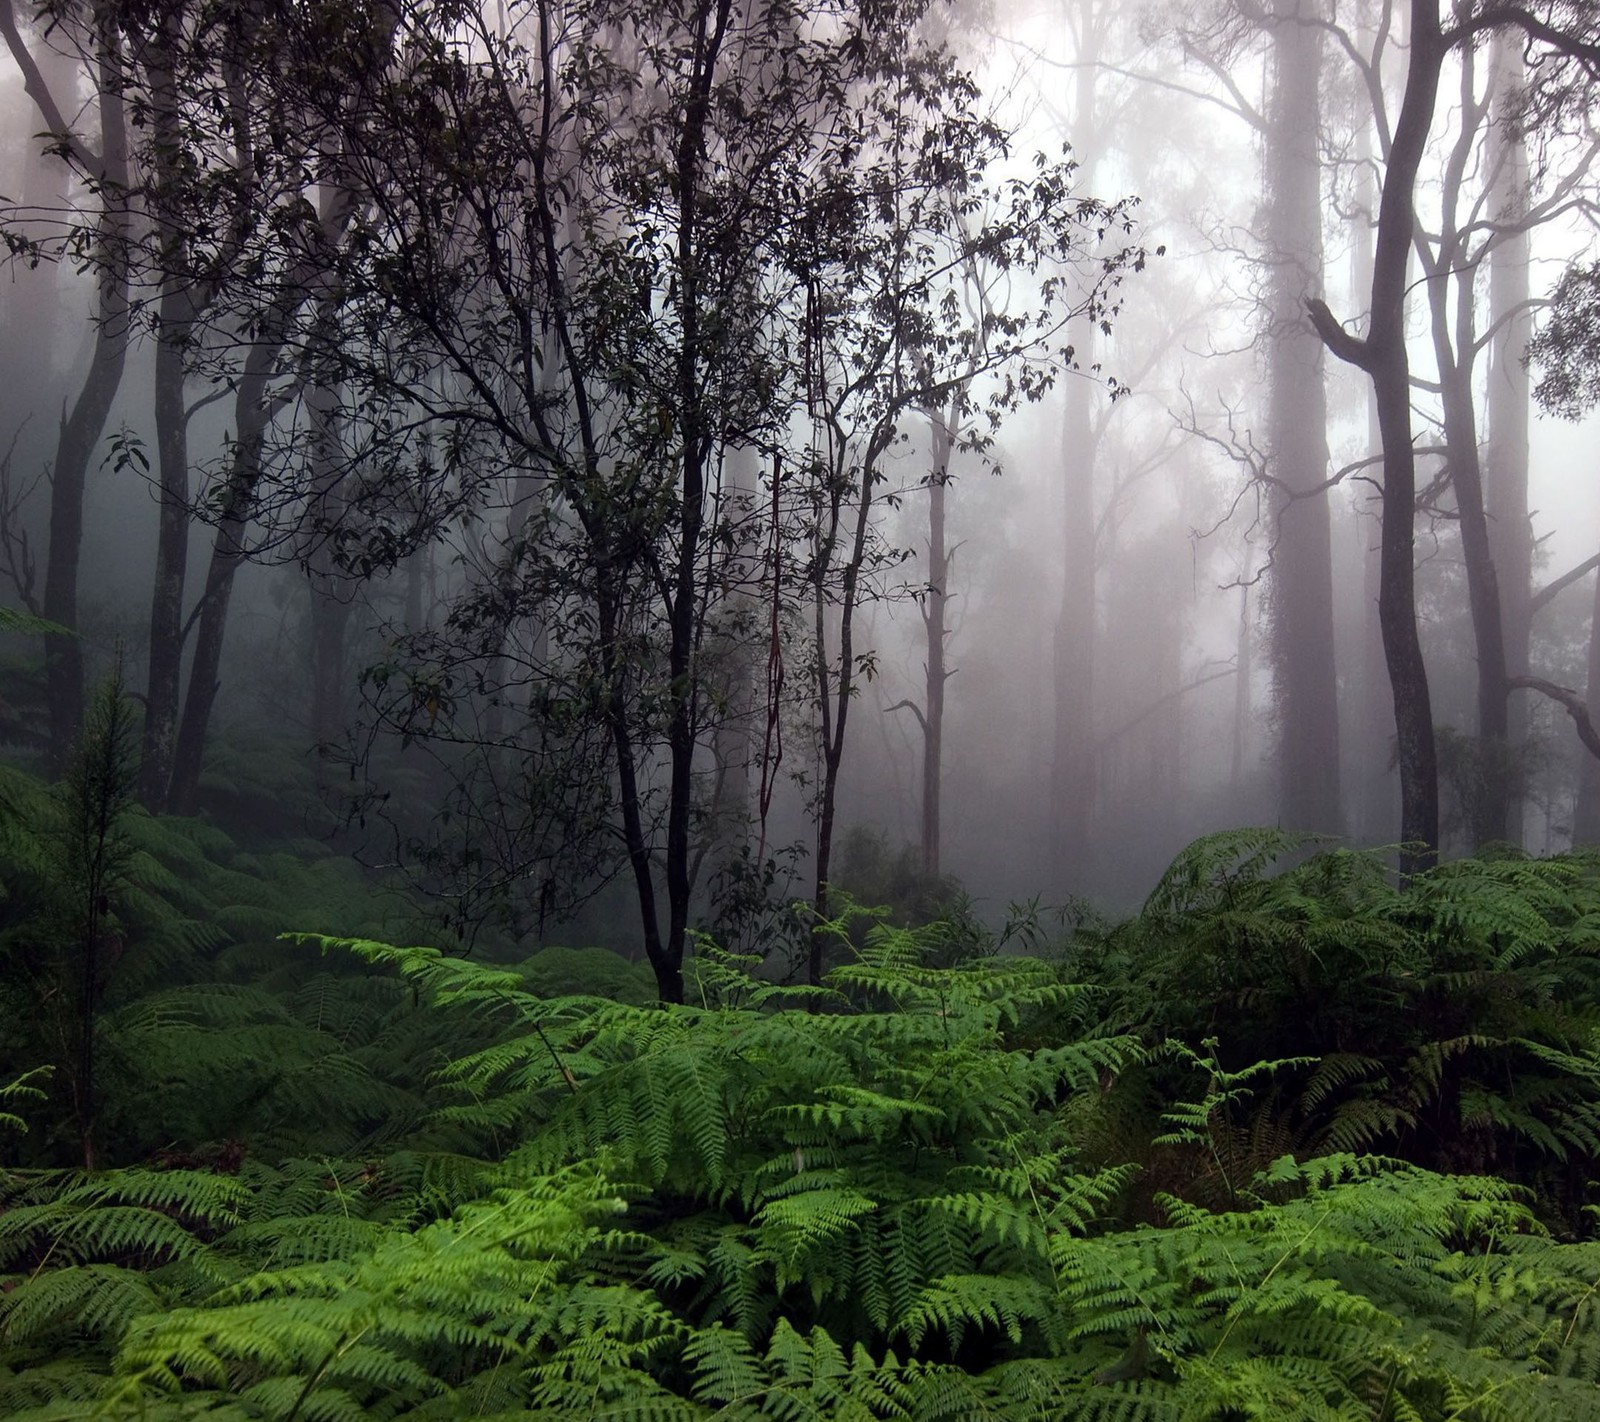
[(1453, 1024), (140, 957), (1126, 1183)]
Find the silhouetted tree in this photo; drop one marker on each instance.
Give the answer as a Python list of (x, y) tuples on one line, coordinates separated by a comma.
[(105, 244), (1301, 577)]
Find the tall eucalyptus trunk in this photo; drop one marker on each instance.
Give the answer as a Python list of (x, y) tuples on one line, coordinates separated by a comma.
[(1073, 779), (1586, 813), (1382, 354), (229, 552), (936, 636), (1510, 328), (1075, 759), (1373, 762), (82, 425), (175, 315), (1301, 579), (330, 602)]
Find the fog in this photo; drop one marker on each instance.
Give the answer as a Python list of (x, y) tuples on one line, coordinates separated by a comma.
[(531, 591)]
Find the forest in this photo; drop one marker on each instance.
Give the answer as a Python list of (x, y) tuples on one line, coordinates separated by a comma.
[(742, 709)]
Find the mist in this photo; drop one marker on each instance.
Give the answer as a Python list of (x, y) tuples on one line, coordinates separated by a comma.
[(744, 481), (776, 710)]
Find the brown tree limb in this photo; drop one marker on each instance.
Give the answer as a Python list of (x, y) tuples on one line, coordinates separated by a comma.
[(1575, 706), (1350, 349), (1112, 736), (913, 708), (68, 143), (1519, 17), (1556, 585)]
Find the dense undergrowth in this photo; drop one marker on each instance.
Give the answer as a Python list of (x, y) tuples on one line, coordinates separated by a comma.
[(1288, 1143)]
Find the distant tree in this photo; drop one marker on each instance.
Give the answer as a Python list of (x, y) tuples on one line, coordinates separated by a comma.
[(907, 322), (103, 245), (1508, 328), (1286, 451), (1073, 760), (1301, 579)]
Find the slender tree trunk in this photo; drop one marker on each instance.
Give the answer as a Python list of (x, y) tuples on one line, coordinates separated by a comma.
[(1073, 777), (1586, 813), (668, 967), (684, 622), (1489, 817), (172, 551), (733, 747), (82, 425), (1375, 768), (1451, 291), (228, 554), (175, 319), (330, 621), (1374, 760), (936, 633), (1301, 580), (254, 412), (1510, 325), (836, 690), (1397, 618), (1383, 356), (1075, 760), (330, 603), (1243, 662)]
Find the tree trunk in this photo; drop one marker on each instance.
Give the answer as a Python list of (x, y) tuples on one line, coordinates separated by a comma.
[(936, 634), (1451, 292), (176, 311), (1383, 356), (1375, 748), (172, 550), (1397, 618), (1510, 325), (668, 966), (1301, 579), (684, 621), (1073, 777), (228, 553), (1488, 817), (835, 692), (330, 620), (1074, 762), (1244, 669), (1586, 813), (733, 745), (81, 427)]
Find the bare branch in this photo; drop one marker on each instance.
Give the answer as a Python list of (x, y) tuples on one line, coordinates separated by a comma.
[(1350, 349), (1574, 705), (1111, 737), (1556, 585), (33, 82), (913, 708)]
